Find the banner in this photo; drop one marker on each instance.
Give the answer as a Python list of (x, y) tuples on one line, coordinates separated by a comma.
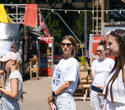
[(45, 39), (93, 43), (9, 31), (3, 15), (31, 17)]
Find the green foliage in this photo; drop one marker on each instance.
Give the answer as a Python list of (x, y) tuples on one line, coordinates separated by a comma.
[(82, 62)]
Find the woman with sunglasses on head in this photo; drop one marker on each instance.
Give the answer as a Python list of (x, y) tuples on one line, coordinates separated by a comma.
[(65, 77), (100, 69), (115, 83)]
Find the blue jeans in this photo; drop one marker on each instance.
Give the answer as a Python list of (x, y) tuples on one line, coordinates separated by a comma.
[(65, 101)]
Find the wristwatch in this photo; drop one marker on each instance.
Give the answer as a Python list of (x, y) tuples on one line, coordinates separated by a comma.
[(53, 93)]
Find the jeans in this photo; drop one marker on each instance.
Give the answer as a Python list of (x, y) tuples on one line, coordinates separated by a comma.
[(65, 101), (96, 101)]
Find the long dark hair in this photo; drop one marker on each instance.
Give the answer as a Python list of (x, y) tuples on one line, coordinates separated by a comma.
[(102, 43), (119, 35)]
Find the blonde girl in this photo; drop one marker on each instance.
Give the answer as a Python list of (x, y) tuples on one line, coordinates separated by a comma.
[(12, 91)]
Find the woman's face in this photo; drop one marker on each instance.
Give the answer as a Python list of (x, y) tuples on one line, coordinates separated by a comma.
[(101, 52), (67, 46), (113, 45), (7, 65)]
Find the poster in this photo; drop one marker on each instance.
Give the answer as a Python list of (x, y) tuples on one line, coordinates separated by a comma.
[(93, 43)]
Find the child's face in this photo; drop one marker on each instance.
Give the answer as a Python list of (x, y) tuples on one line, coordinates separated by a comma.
[(7, 65)]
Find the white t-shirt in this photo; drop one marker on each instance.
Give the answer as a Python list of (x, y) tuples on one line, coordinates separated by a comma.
[(14, 75), (118, 89), (66, 70), (102, 70)]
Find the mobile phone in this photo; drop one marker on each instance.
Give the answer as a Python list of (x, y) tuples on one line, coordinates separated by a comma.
[(94, 88), (89, 71)]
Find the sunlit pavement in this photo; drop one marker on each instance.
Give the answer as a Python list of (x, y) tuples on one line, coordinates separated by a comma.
[(35, 94)]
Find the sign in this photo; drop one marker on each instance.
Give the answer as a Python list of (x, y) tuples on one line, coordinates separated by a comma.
[(93, 43), (45, 39), (9, 31)]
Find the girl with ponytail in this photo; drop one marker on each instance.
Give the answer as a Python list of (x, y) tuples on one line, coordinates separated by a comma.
[(12, 90)]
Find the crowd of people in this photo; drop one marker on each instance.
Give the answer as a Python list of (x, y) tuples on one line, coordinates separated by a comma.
[(108, 76)]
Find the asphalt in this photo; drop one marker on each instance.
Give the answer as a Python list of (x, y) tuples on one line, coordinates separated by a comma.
[(35, 93)]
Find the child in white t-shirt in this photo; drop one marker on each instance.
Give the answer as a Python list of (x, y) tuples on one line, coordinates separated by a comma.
[(65, 77)]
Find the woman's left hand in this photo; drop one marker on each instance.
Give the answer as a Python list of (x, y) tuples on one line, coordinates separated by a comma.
[(50, 99)]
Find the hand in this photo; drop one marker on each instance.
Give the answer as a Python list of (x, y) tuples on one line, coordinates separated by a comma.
[(50, 99), (88, 67), (101, 87), (51, 105), (2, 72)]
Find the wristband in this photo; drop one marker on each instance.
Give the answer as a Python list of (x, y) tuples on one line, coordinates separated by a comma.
[(53, 93)]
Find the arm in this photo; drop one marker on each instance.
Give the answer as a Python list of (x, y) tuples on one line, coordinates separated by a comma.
[(60, 90), (92, 73), (13, 92)]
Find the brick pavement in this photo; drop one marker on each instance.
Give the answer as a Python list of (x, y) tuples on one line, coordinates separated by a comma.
[(36, 92)]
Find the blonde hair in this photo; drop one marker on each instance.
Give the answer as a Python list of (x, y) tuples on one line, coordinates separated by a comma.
[(16, 67), (73, 41)]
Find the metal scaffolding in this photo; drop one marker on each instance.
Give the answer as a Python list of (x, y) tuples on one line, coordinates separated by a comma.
[(17, 17), (97, 17)]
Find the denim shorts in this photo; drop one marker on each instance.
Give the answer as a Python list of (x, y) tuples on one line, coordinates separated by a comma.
[(10, 104), (65, 101), (96, 101)]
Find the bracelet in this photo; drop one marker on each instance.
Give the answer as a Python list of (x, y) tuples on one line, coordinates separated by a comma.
[(53, 93)]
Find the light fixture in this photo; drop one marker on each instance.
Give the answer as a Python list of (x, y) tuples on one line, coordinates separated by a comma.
[(106, 12), (79, 12), (52, 11), (120, 11), (65, 11)]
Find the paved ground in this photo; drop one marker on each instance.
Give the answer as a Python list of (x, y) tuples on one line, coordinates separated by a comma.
[(36, 92)]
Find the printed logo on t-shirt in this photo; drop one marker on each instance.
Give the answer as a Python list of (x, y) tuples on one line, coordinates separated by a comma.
[(56, 78)]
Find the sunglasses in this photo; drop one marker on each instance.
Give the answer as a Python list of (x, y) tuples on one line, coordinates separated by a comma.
[(67, 44), (99, 51)]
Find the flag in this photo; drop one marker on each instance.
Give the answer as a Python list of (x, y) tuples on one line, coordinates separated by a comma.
[(31, 17), (4, 18)]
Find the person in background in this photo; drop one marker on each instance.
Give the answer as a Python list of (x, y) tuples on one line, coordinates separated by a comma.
[(65, 77), (19, 60), (12, 90), (100, 70), (114, 91)]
